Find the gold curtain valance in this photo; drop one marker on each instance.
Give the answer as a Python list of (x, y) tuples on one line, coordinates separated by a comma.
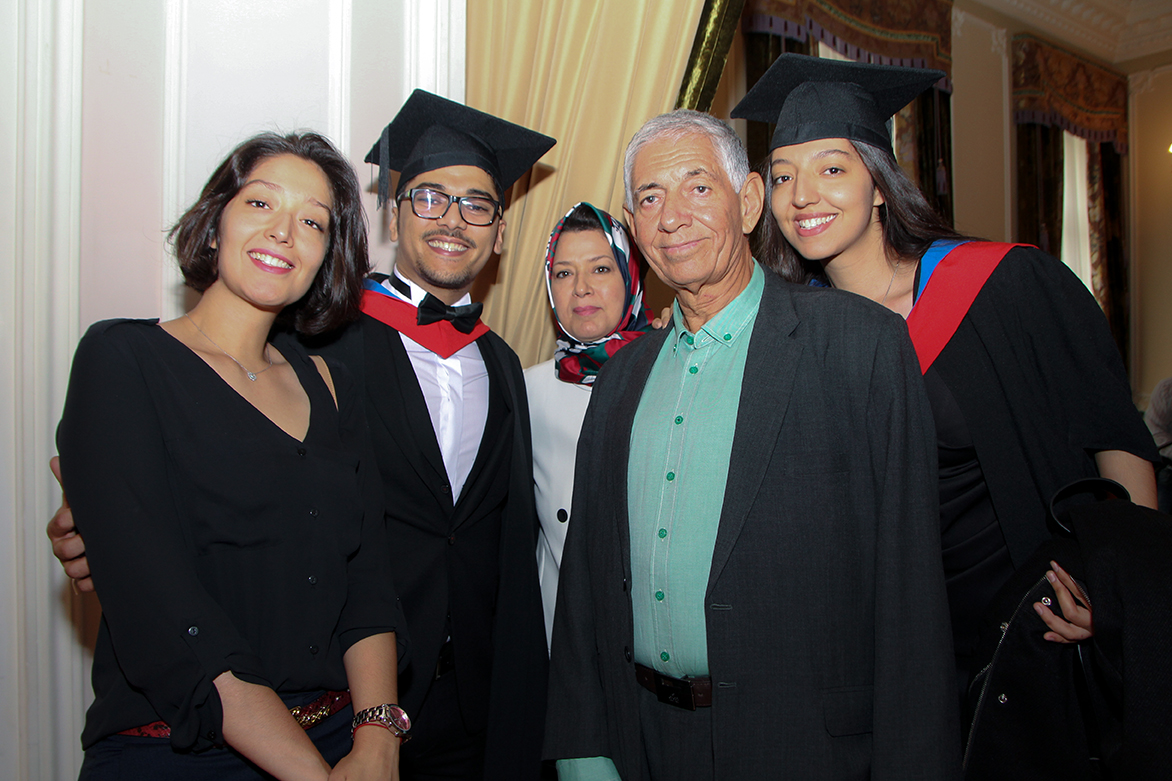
[(914, 33), (1053, 86)]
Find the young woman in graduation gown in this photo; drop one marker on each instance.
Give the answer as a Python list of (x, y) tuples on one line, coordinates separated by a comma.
[(230, 507), (1027, 389), (592, 276)]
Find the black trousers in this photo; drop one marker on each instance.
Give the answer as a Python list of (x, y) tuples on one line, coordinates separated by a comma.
[(441, 748), (677, 743)]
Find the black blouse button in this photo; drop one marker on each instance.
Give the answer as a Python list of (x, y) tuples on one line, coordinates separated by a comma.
[(563, 516), (301, 452), (452, 540), (445, 489), (313, 580), (312, 512), (313, 649), (193, 630), (211, 734), (627, 652)]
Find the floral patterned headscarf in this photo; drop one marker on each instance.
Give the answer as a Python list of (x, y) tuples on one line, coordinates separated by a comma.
[(579, 362)]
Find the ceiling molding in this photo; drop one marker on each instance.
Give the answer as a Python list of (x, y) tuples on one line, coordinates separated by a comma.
[(1113, 30)]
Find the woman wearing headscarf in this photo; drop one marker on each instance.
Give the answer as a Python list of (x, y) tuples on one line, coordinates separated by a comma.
[(592, 276)]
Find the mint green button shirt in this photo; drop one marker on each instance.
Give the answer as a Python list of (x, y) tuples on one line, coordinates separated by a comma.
[(681, 444)]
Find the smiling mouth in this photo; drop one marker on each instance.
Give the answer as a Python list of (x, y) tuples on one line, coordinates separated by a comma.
[(446, 246), (814, 222), (450, 243), (269, 260), (682, 247)]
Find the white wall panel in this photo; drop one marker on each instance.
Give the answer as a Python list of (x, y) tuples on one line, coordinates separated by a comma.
[(981, 128), (42, 671)]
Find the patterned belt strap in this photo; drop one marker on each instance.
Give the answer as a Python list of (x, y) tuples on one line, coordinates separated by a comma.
[(308, 715), (320, 709)]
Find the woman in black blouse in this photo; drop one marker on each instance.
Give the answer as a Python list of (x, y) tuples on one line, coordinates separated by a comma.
[(230, 509)]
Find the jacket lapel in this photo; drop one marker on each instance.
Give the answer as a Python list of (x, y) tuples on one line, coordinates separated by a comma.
[(766, 389), (490, 452), (395, 394)]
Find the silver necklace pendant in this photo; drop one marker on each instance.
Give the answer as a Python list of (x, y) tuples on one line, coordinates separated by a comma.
[(251, 376)]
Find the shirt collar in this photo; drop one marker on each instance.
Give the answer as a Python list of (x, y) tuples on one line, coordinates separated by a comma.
[(415, 293), (727, 327)]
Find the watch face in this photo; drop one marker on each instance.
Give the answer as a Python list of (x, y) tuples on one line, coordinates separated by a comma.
[(400, 718)]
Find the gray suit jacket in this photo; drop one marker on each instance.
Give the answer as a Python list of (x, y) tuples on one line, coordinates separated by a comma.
[(827, 621)]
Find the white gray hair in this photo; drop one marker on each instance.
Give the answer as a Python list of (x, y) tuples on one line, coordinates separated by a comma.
[(676, 124)]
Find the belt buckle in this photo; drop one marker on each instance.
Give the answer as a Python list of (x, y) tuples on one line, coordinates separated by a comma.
[(674, 691)]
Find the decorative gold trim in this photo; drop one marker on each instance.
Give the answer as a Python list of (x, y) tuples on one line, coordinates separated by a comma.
[(714, 37)]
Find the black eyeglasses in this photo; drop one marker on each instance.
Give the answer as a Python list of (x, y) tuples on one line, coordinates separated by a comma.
[(433, 204)]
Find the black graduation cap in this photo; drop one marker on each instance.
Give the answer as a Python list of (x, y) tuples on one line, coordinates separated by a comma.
[(431, 132), (811, 98)]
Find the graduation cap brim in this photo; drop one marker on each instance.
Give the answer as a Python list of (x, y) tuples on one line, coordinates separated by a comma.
[(811, 98), (431, 132)]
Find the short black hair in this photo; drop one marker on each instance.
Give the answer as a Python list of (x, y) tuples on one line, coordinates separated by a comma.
[(334, 297)]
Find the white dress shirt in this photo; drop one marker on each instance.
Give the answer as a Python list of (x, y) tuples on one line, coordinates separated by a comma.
[(456, 392)]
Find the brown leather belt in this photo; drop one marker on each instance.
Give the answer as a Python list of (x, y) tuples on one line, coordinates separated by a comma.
[(686, 693), (308, 715)]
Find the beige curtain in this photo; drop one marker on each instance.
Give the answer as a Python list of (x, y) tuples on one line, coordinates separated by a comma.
[(588, 73)]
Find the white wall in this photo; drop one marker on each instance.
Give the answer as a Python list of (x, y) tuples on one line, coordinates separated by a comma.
[(981, 129), (122, 107), (1150, 134)]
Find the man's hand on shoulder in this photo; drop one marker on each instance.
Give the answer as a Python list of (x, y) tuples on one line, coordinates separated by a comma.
[(68, 546), (664, 319)]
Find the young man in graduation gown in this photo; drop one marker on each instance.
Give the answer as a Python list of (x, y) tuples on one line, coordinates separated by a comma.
[(449, 425), (450, 428)]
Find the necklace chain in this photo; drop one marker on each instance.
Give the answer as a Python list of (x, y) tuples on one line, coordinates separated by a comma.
[(882, 301), (251, 375)]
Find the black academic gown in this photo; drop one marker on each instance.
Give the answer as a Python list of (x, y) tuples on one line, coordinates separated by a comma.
[(470, 557), (1042, 388)]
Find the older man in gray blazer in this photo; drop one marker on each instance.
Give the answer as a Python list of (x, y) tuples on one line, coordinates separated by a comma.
[(752, 587)]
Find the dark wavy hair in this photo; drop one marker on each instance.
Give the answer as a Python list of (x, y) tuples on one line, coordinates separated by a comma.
[(580, 219), (334, 296), (909, 223)]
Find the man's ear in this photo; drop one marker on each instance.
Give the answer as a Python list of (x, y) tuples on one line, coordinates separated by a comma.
[(752, 198), (499, 244), (630, 221), (394, 226)]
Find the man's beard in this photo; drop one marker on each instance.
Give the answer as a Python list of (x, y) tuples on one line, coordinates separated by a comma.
[(459, 278)]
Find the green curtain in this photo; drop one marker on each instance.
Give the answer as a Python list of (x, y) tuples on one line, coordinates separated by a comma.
[(934, 150), (1039, 186), (714, 37), (1109, 257), (761, 49)]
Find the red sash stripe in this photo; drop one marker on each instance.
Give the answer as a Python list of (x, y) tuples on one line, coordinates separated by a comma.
[(441, 337), (951, 290)]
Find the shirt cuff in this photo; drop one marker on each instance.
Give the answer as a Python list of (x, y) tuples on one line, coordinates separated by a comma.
[(587, 769)]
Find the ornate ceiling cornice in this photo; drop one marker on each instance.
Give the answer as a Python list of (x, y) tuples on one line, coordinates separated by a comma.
[(1114, 30)]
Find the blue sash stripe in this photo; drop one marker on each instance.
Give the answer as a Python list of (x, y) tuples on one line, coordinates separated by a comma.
[(936, 253)]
